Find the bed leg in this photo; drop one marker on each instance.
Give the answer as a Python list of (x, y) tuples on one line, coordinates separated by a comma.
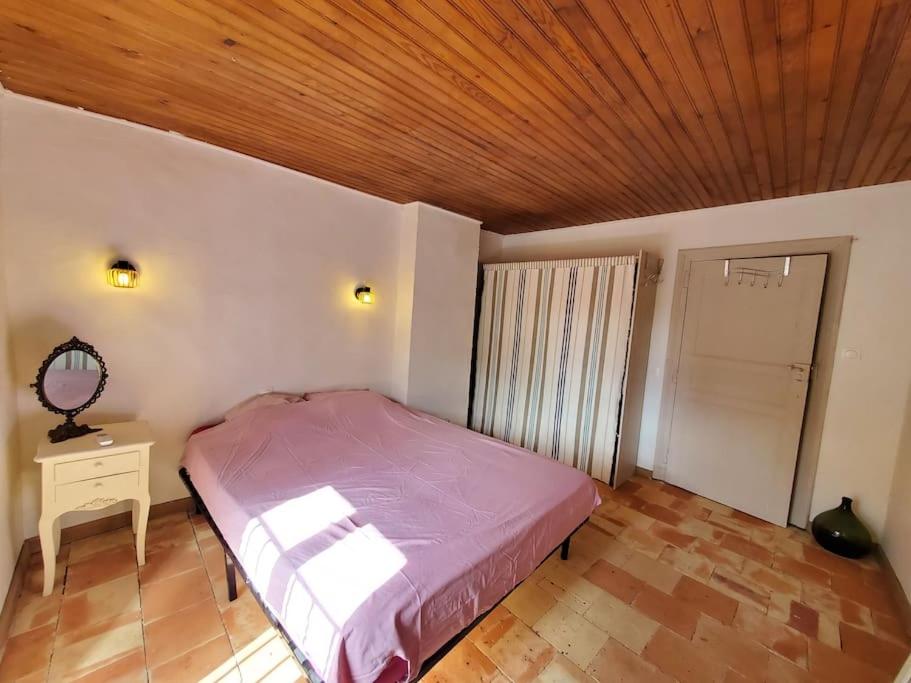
[(564, 549), (231, 577)]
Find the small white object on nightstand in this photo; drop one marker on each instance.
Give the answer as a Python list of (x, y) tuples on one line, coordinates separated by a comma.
[(85, 474)]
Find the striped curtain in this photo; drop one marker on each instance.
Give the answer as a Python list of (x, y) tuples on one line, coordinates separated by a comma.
[(551, 357)]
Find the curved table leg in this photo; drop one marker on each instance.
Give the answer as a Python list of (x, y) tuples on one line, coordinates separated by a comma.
[(140, 523), (47, 531)]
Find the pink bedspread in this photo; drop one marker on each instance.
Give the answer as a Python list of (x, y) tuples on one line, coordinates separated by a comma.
[(375, 533)]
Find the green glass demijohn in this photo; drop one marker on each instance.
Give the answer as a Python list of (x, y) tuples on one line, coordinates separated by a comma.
[(841, 532)]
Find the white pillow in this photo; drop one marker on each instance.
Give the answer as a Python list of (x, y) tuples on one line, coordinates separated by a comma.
[(332, 393), (275, 398)]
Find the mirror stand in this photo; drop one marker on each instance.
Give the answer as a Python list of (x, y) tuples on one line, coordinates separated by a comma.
[(69, 430)]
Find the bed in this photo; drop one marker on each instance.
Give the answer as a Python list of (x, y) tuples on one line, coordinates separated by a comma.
[(374, 535)]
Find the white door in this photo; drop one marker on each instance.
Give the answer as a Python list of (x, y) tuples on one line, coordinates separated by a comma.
[(748, 335)]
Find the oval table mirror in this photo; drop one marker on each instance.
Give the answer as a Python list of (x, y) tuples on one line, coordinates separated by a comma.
[(69, 381)]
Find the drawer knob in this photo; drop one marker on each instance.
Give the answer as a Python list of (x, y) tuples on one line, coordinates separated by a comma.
[(98, 484), (98, 463)]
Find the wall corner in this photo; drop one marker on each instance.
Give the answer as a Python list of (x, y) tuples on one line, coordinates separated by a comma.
[(438, 259)]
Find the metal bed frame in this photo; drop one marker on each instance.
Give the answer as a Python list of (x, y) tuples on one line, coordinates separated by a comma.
[(233, 567)]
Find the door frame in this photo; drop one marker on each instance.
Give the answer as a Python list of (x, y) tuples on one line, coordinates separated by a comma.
[(839, 251)]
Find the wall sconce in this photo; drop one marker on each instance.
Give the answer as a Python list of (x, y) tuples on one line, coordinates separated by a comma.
[(364, 294), (123, 274)]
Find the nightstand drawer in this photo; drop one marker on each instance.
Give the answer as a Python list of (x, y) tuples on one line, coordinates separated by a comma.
[(97, 493), (91, 468)]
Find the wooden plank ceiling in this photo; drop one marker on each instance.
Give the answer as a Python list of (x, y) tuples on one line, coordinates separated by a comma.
[(527, 114)]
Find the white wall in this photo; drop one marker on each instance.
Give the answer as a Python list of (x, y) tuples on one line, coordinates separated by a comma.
[(10, 508), (435, 316), (490, 245), (896, 538), (10, 502), (247, 276), (867, 398)]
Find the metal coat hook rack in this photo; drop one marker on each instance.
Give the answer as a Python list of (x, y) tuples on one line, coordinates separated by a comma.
[(764, 276), (654, 278)]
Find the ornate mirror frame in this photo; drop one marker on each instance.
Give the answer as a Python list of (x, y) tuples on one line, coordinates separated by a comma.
[(69, 429)]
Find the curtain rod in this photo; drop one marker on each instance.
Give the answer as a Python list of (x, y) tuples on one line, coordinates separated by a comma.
[(564, 263)]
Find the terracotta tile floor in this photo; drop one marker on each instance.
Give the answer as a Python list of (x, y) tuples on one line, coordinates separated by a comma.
[(661, 585)]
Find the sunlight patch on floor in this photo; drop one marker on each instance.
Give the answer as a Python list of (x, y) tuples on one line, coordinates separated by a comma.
[(225, 673), (267, 659)]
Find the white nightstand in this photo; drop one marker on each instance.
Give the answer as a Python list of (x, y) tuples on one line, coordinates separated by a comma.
[(79, 474)]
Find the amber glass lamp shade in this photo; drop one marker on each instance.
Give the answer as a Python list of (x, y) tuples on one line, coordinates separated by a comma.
[(365, 295), (123, 274)]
